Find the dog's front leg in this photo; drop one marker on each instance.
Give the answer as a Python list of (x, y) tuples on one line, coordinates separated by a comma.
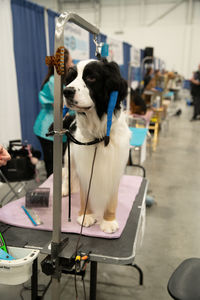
[(89, 219), (74, 177), (109, 223)]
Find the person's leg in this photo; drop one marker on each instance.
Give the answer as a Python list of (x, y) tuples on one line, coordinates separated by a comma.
[(196, 108), (47, 148), (198, 105)]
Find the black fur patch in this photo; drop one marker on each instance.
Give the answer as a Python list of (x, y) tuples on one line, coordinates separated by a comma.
[(101, 78), (72, 74), (69, 122)]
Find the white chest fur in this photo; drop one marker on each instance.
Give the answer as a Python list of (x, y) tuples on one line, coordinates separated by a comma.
[(110, 161)]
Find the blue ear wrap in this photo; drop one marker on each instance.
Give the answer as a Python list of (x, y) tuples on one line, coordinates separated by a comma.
[(65, 110), (111, 107)]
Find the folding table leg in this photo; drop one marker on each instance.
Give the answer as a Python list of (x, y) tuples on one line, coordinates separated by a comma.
[(34, 280), (93, 280), (140, 273)]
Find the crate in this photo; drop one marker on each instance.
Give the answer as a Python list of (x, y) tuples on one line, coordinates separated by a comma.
[(19, 270)]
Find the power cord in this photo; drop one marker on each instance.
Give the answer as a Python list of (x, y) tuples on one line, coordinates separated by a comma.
[(41, 288)]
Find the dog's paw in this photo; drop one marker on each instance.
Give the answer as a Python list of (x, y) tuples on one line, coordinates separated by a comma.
[(109, 226), (65, 191), (89, 220)]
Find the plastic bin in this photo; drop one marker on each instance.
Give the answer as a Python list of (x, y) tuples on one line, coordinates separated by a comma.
[(19, 270)]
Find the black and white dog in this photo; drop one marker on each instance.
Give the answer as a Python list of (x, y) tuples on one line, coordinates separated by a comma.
[(87, 92)]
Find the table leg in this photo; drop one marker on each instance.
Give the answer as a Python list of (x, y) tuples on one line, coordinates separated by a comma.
[(34, 280), (93, 280), (140, 273)]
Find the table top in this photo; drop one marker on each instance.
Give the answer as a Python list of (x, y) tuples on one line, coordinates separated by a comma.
[(116, 251)]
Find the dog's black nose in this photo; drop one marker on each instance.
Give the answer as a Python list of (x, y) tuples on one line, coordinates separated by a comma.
[(69, 92)]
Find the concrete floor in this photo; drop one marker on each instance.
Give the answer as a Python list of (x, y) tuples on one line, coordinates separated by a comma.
[(172, 223)]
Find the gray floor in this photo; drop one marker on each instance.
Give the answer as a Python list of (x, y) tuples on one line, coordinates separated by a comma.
[(172, 223)]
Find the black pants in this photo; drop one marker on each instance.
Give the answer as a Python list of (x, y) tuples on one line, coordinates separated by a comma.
[(47, 148), (196, 100)]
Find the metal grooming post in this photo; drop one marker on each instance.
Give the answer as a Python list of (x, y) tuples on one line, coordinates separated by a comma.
[(129, 78), (57, 148), (129, 88), (130, 65), (143, 62)]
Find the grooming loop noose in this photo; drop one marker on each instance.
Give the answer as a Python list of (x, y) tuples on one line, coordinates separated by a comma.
[(71, 138)]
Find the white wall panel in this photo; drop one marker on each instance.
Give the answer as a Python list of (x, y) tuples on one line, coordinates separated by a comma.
[(174, 39), (9, 105)]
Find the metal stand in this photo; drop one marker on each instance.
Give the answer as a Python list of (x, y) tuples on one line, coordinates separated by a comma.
[(57, 149), (130, 65)]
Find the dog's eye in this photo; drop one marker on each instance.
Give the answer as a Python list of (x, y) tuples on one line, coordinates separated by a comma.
[(90, 79)]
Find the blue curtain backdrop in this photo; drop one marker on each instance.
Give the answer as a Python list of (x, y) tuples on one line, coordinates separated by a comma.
[(51, 22), (141, 59), (30, 52), (136, 74), (127, 57)]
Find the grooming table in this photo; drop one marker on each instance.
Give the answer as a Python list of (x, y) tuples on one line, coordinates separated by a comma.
[(120, 250), (13, 214)]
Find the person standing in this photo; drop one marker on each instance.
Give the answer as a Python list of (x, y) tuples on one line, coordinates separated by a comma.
[(46, 115), (147, 77), (195, 82)]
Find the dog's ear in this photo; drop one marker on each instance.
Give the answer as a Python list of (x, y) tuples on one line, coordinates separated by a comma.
[(114, 80), (123, 89)]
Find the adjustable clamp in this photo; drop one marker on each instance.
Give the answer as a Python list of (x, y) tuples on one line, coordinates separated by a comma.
[(49, 263), (98, 47)]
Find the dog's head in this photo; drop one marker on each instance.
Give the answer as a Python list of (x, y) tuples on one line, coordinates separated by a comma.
[(90, 84)]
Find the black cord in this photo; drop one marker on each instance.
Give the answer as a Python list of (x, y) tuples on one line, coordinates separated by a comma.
[(95, 151), (80, 234), (69, 181), (41, 288), (72, 138)]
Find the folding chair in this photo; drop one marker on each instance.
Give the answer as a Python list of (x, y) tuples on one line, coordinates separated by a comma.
[(184, 283), (12, 189)]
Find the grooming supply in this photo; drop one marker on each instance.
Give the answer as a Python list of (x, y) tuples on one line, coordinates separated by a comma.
[(111, 107), (5, 256), (2, 243), (32, 216), (38, 197)]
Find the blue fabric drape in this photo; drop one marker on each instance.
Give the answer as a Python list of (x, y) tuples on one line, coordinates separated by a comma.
[(101, 38), (30, 52), (136, 74), (141, 59), (126, 56), (51, 24)]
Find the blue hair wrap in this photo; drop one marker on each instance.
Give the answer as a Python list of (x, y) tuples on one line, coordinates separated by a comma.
[(111, 107)]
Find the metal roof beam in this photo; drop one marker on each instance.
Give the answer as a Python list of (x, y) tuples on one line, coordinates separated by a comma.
[(166, 13)]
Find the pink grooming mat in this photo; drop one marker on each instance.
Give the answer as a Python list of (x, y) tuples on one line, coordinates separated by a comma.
[(13, 214)]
